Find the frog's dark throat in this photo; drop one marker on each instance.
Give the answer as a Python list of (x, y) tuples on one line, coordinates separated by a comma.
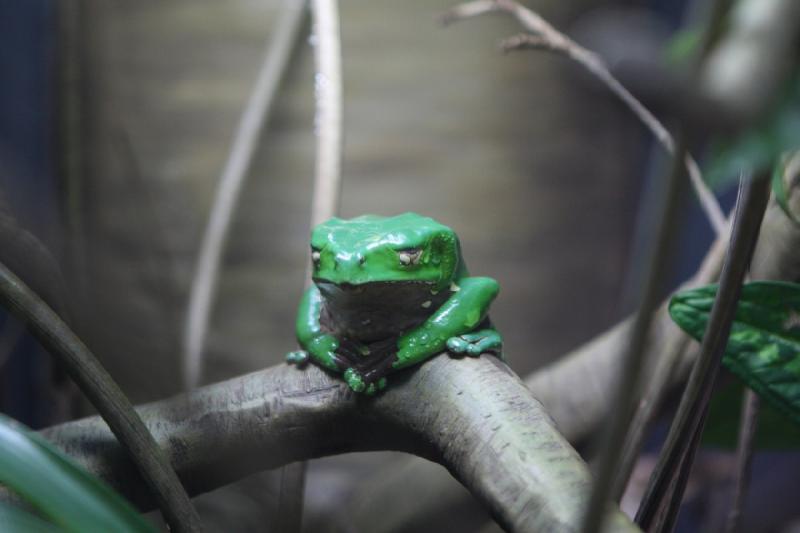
[(377, 311)]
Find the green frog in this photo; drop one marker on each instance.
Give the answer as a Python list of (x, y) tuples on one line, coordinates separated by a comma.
[(388, 293)]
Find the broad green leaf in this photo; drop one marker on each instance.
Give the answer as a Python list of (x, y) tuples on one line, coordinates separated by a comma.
[(58, 488), (16, 520), (764, 345)]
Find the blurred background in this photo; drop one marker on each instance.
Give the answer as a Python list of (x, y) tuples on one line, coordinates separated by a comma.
[(116, 119)]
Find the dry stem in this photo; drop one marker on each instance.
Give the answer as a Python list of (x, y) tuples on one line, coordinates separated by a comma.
[(546, 37)]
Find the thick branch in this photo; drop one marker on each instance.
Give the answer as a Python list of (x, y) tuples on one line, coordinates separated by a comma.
[(473, 415), (574, 389), (104, 394)]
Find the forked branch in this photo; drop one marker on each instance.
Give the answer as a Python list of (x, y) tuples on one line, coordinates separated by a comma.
[(472, 415), (574, 389)]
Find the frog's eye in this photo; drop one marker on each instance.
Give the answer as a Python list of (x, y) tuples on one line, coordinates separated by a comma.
[(315, 256), (410, 256)]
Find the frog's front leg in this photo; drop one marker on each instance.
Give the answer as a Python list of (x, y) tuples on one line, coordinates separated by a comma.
[(465, 310), (322, 347)]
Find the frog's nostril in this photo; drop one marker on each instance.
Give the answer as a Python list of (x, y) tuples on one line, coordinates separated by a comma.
[(362, 260)]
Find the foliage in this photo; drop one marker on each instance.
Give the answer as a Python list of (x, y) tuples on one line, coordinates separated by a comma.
[(13, 519), (57, 488), (763, 348)]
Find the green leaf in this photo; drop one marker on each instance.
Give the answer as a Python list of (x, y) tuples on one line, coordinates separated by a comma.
[(764, 345), (16, 520), (58, 488)]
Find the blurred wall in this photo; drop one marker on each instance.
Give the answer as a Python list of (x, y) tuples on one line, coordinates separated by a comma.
[(536, 174), (536, 169)]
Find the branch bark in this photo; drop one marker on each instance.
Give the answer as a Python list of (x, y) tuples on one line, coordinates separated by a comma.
[(574, 389), (105, 395), (472, 415)]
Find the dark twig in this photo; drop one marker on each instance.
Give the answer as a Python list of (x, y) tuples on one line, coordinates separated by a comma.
[(546, 37), (694, 403), (744, 457), (667, 516), (627, 389), (669, 355), (651, 401), (105, 395)]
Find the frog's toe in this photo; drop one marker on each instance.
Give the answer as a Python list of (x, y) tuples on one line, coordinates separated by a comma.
[(354, 380), (463, 345), (457, 345), (297, 357), (475, 343)]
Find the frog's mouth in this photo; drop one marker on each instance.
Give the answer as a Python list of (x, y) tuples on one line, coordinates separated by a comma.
[(379, 309)]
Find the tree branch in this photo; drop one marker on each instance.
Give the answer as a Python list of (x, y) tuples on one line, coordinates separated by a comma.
[(744, 457), (678, 453), (105, 395), (472, 415), (574, 389)]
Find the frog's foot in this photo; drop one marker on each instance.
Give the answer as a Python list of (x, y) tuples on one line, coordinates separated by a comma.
[(476, 343), (362, 383), (297, 357)]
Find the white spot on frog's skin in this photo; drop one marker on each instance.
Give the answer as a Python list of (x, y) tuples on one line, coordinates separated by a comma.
[(315, 256), (409, 257), (426, 304), (366, 322), (454, 287), (434, 292), (792, 321)]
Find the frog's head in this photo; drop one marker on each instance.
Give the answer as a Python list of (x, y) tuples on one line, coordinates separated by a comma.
[(369, 249)]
